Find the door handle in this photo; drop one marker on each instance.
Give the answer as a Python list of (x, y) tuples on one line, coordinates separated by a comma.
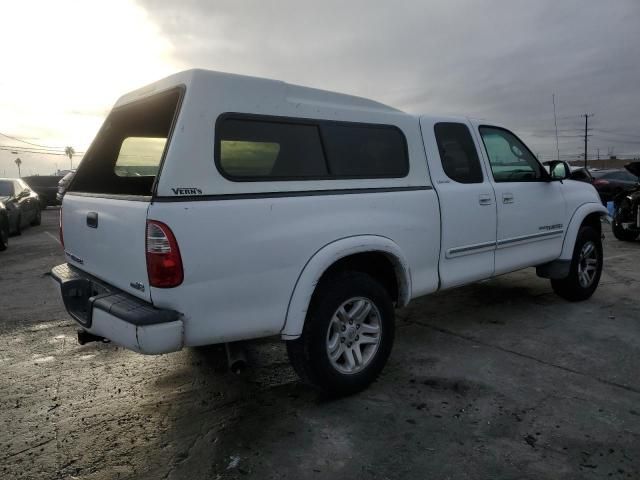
[(484, 199), (507, 198), (92, 219)]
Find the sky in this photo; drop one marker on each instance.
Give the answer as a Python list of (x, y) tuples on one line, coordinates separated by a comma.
[(65, 63)]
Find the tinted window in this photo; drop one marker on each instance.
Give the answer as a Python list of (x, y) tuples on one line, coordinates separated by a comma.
[(510, 159), (253, 148), (458, 153), (139, 156), (6, 188), (365, 151), (257, 149), (125, 156)]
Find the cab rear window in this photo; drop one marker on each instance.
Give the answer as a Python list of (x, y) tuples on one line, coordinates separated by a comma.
[(126, 155)]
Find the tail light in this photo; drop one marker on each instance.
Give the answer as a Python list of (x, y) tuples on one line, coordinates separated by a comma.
[(164, 264), (60, 228), (600, 182)]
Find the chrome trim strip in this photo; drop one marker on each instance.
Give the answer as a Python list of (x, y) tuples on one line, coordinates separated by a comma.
[(507, 241), (470, 248), (532, 236)]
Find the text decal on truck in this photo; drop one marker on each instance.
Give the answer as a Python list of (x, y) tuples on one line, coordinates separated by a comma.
[(186, 191)]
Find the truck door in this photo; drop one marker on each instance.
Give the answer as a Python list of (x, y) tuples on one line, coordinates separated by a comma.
[(467, 202), (531, 208)]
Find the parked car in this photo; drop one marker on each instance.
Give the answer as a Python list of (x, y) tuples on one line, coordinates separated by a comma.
[(4, 227), (22, 204), (63, 183), (214, 208), (626, 208), (46, 186), (611, 182)]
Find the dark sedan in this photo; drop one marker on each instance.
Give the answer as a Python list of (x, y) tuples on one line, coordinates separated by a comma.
[(4, 227), (610, 183), (46, 186), (21, 203)]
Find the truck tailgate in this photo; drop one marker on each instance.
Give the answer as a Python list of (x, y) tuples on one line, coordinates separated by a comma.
[(106, 238)]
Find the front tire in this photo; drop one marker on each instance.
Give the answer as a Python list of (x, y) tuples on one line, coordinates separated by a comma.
[(347, 336), (585, 269), (19, 225)]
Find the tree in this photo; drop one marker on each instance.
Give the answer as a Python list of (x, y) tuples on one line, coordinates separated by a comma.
[(69, 152), (18, 162)]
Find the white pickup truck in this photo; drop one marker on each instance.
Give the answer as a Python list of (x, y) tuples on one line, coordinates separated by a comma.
[(213, 208)]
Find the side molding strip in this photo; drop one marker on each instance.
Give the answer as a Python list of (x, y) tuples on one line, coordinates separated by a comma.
[(301, 193)]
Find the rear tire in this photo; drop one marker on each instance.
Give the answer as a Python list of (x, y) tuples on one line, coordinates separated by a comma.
[(4, 234), (347, 336), (622, 233), (585, 270), (38, 218)]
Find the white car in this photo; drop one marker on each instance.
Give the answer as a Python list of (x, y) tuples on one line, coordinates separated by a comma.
[(214, 207)]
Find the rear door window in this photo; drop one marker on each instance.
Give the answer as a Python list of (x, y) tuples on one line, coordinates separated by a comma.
[(125, 157), (458, 154)]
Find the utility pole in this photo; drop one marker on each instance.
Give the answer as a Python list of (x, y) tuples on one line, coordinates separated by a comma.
[(555, 121), (586, 130)]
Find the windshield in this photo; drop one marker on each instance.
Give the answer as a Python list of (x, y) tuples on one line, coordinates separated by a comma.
[(6, 188)]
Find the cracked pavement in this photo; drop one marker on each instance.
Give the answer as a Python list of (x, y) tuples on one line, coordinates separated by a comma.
[(501, 379)]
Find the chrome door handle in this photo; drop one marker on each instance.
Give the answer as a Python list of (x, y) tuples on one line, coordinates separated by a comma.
[(484, 199), (507, 198)]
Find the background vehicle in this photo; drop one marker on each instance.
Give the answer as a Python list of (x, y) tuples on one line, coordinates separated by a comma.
[(63, 183), (610, 183), (22, 204), (626, 216), (46, 186), (4, 227), (213, 208)]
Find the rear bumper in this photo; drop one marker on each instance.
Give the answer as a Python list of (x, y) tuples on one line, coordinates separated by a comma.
[(108, 312)]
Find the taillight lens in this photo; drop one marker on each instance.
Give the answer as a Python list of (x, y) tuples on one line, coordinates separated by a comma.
[(60, 228), (600, 182), (164, 264)]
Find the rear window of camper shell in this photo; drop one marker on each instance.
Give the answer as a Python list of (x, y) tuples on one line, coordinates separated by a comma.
[(126, 155)]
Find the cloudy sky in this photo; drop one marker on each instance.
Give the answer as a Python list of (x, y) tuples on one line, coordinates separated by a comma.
[(65, 62)]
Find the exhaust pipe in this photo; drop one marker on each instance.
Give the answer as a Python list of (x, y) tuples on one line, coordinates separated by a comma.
[(85, 337), (236, 357)]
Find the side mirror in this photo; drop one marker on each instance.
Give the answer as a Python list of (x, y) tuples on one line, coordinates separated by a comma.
[(24, 193), (559, 170)]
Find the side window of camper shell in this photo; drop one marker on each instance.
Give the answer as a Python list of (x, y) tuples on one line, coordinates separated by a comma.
[(262, 148)]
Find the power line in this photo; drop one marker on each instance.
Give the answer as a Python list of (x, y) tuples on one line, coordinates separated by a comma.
[(37, 152), (29, 143)]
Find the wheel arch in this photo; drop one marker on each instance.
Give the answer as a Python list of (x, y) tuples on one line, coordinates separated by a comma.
[(350, 252), (589, 214)]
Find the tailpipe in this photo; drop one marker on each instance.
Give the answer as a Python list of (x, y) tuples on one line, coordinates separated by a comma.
[(85, 337), (236, 357)]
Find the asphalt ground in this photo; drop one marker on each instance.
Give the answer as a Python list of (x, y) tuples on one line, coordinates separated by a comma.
[(499, 380)]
